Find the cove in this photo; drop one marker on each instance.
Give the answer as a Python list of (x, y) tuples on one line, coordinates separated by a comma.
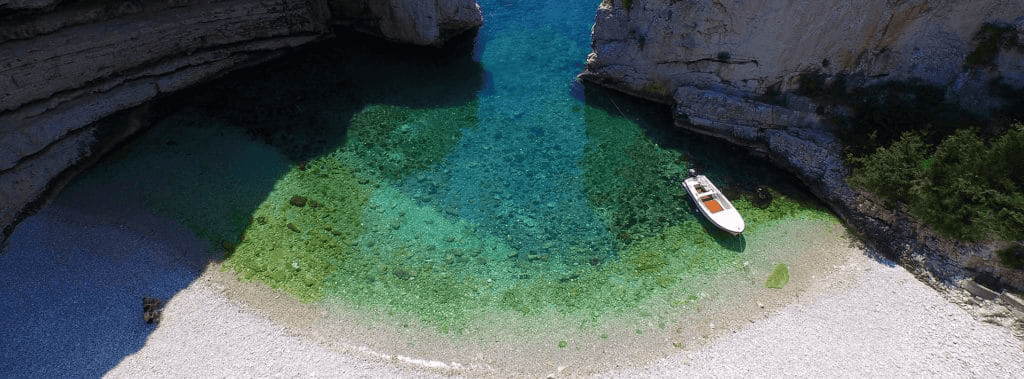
[(469, 203)]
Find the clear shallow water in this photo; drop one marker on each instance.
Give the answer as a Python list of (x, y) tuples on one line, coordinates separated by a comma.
[(451, 185), (517, 174)]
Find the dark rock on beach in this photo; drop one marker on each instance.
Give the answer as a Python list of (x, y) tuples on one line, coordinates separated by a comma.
[(151, 309)]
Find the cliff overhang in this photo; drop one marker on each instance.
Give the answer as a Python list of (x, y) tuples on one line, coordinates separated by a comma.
[(76, 77)]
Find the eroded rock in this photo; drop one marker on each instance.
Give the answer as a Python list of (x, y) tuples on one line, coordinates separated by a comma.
[(64, 66), (421, 22), (744, 47)]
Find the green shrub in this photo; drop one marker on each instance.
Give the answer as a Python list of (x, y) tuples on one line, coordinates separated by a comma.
[(883, 112), (949, 195), (965, 189), (892, 172), (1012, 109), (773, 95), (817, 85), (811, 84), (954, 169), (657, 89)]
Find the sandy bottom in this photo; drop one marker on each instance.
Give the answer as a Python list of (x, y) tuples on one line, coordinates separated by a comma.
[(842, 312)]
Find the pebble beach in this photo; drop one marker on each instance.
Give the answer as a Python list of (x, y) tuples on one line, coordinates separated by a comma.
[(75, 274)]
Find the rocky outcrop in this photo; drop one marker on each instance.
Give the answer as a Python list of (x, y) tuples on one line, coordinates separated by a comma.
[(652, 47), (65, 66), (727, 65), (422, 22)]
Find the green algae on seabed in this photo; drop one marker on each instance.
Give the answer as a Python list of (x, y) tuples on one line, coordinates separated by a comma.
[(411, 259), (295, 248), (630, 179), (414, 260), (779, 277), (396, 141), (368, 244)]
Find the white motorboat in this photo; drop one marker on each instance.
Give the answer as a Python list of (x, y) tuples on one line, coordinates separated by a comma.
[(713, 204)]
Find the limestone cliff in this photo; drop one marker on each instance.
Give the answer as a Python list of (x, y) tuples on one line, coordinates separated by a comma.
[(652, 47), (422, 22), (65, 66), (719, 62)]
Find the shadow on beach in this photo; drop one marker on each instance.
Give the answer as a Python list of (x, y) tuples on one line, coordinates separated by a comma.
[(74, 278), (75, 274)]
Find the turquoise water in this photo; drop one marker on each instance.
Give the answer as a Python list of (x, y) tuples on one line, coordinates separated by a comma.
[(517, 175), (450, 185)]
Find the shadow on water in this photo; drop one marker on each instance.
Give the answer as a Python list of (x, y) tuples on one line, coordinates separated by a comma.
[(284, 101), (737, 171), (74, 275), (79, 269), (726, 240)]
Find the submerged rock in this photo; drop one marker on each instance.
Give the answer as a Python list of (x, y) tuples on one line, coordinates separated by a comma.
[(779, 277), (151, 309), (762, 197), (298, 201)]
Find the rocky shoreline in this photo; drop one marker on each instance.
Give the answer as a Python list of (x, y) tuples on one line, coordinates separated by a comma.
[(717, 74)]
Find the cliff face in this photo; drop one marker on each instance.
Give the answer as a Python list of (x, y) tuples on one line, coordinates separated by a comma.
[(422, 22), (744, 47), (65, 66), (717, 62)]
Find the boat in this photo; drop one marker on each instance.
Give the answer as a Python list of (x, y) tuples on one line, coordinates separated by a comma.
[(713, 204)]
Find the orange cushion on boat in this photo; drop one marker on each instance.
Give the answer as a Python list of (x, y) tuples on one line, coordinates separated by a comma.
[(713, 205)]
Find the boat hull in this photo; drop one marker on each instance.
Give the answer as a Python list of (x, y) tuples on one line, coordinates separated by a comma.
[(714, 205)]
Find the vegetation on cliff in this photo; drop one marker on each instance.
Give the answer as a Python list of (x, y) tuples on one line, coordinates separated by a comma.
[(965, 187), (953, 168)]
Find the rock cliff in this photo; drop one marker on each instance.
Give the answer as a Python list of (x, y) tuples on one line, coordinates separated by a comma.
[(724, 65), (65, 67), (422, 22)]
